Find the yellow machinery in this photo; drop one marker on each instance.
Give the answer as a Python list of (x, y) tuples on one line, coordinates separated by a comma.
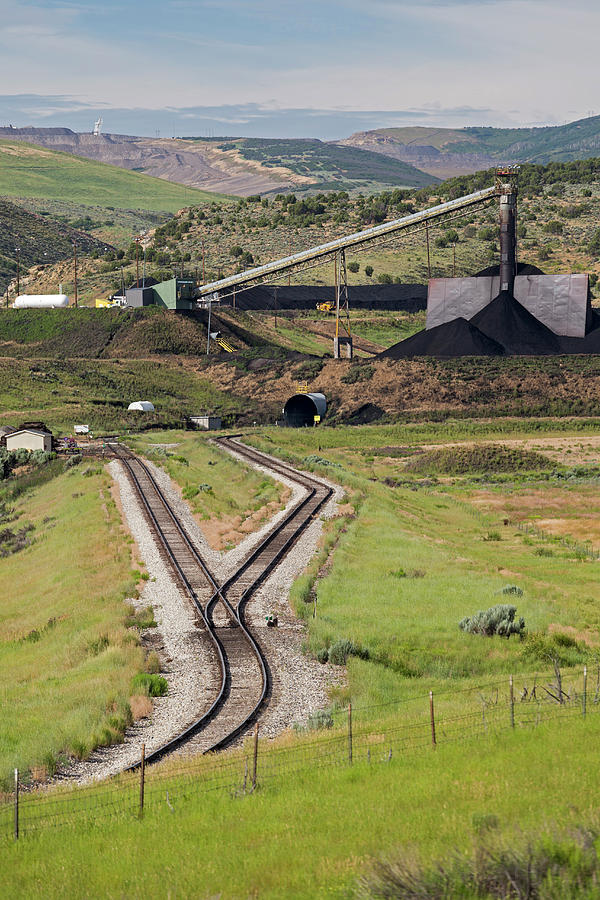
[(103, 304), (225, 345), (325, 307)]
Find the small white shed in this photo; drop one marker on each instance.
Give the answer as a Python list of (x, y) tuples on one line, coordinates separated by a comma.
[(29, 439), (205, 423), (141, 406)]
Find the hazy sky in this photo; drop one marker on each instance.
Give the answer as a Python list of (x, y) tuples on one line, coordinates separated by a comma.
[(321, 68)]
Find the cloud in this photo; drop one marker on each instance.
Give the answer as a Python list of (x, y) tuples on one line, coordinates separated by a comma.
[(508, 61)]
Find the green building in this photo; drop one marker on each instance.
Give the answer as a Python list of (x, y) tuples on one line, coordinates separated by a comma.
[(177, 293)]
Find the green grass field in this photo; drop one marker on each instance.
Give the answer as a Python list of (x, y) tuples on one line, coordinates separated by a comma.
[(412, 555), (313, 832), (30, 171), (62, 623), (98, 393)]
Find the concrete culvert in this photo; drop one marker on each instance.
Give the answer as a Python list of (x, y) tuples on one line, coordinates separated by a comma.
[(301, 409)]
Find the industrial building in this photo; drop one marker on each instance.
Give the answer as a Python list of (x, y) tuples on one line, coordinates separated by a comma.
[(176, 293), (205, 423)]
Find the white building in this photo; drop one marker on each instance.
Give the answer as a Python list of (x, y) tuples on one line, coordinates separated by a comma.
[(29, 439)]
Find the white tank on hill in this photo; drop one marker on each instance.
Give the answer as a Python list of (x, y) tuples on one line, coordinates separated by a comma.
[(41, 301)]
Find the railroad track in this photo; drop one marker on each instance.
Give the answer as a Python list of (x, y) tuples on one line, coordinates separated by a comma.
[(244, 680)]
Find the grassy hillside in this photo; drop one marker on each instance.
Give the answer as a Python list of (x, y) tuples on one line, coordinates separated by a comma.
[(573, 141), (63, 637), (42, 240), (333, 166), (30, 171)]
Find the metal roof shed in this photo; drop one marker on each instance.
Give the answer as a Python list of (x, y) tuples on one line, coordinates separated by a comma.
[(29, 439)]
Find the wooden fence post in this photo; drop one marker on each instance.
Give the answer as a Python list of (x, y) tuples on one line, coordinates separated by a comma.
[(512, 703), (350, 733), (584, 699), (16, 804), (255, 760), (142, 779), (432, 719)]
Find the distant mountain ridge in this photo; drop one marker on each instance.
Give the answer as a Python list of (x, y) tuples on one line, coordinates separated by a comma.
[(233, 165), (446, 152)]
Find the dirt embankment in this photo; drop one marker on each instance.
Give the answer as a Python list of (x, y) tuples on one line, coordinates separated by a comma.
[(362, 391)]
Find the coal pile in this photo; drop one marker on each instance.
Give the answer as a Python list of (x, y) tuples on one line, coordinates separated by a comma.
[(513, 326), (452, 339)]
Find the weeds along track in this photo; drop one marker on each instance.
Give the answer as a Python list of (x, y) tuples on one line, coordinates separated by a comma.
[(244, 681)]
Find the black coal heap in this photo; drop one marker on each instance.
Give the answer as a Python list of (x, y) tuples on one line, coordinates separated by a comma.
[(456, 338), (520, 333)]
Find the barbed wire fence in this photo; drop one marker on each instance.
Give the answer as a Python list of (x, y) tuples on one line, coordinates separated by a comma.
[(372, 734)]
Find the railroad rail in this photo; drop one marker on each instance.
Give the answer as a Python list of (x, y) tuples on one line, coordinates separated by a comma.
[(244, 675)]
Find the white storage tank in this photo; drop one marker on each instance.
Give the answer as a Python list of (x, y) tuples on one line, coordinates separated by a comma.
[(41, 301)]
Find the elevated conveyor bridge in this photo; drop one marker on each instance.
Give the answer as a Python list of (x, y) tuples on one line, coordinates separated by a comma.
[(215, 291)]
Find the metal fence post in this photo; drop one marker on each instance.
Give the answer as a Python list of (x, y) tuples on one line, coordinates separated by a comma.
[(432, 719), (584, 699), (16, 804), (350, 733), (512, 703), (255, 760), (142, 779)]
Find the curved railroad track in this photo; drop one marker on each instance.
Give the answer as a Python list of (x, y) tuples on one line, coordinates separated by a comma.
[(244, 678)]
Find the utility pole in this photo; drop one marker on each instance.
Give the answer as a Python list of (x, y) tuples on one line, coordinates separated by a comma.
[(137, 262), (18, 252), (75, 269), (208, 331), (428, 254), (203, 273)]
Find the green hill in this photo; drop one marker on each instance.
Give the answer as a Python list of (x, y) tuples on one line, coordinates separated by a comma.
[(41, 240), (30, 171), (454, 150), (332, 166)]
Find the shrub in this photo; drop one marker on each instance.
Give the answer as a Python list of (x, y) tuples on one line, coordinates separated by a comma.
[(320, 718), (190, 491), (542, 866), (498, 620), (353, 267), (323, 655), (512, 589), (342, 649), (149, 684), (369, 271), (358, 372)]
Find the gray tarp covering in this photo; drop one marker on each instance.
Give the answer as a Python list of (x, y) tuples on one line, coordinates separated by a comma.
[(559, 301)]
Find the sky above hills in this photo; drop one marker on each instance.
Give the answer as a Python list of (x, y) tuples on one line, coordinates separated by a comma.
[(321, 68)]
